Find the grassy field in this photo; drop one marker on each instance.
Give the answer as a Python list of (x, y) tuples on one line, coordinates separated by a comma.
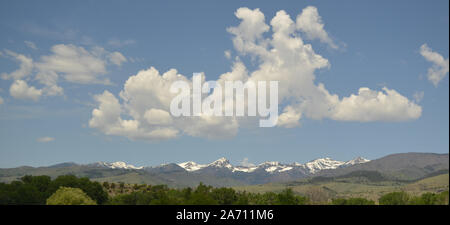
[(345, 188)]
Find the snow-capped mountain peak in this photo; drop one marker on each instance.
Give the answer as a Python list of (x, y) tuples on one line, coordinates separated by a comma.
[(222, 162), (191, 166), (323, 164), (357, 160), (119, 165)]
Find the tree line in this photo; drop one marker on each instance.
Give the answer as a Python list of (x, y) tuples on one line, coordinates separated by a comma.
[(72, 190)]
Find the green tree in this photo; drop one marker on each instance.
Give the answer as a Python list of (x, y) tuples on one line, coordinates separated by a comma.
[(202, 196), (352, 201), (134, 198), (394, 198), (70, 196), (186, 194), (287, 197), (442, 198), (93, 189), (26, 194), (106, 185), (29, 190), (121, 186), (430, 199), (224, 196), (243, 199)]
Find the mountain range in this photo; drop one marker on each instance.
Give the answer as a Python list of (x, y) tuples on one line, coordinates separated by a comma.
[(223, 163), (222, 173)]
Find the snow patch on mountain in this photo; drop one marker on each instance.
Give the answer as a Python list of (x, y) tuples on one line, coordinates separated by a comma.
[(244, 169), (119, 165), (285, 169)]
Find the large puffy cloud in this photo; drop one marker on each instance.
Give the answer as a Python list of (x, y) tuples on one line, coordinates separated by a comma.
[(107, 118), (292, 62), (440, 65), (146, 100), (283, 57), (158, 117), (248, 35), (1, 100), (20, 90), (369, 105)]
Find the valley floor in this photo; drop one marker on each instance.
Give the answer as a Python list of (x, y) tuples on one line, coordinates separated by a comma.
[(325, 191)]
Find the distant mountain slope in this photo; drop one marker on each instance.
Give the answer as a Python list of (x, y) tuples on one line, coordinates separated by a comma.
[(173, 178), (404, 166)]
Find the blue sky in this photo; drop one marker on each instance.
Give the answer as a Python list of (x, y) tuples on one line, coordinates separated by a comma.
[(379, 45)]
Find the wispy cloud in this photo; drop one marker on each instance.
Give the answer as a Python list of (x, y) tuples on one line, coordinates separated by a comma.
[(246, 163), (31, 45), (74, 63), (418, 96), (63, 34), (45, 139), (440, 66), (120, 43)]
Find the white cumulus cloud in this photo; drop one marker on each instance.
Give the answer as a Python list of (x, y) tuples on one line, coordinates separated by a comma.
[(146, 100), (157, 117), (369, 105), (20, 90), (107, 118), (282, 56)]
